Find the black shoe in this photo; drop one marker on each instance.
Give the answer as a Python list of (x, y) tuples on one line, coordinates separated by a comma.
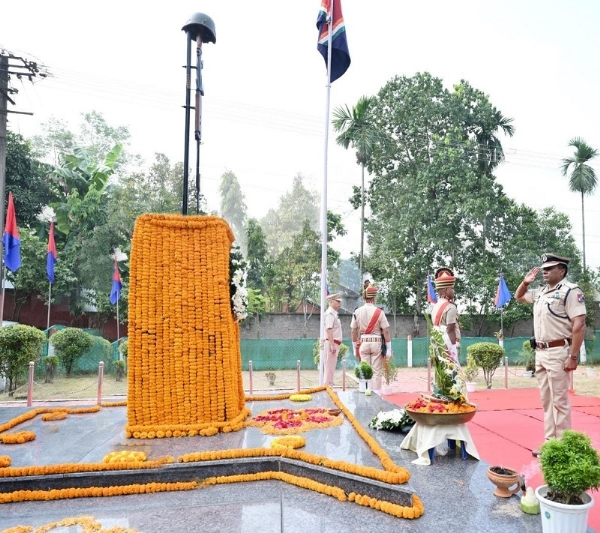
[(536, 452)]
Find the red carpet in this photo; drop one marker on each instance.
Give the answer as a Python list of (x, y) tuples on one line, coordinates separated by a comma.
[(509, 424)]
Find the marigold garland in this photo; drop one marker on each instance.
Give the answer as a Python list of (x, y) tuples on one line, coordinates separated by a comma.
[(17, 438), (88, 524), (93, 492), (5, 461), (58, 415), (300, 398), (184, 362), (124, 457), (114, 404), (288, 442)]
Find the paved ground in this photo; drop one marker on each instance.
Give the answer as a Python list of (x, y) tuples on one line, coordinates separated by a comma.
[(457, 494)]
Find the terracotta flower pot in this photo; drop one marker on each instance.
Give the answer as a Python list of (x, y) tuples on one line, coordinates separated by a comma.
[(504, 479)]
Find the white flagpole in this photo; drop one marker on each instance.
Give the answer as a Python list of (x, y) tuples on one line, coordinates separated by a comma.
[(324, 201), (3, 292), (49, 299), (118, 336)]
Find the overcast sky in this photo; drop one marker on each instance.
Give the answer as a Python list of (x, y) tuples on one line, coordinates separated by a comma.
[(264, 104)]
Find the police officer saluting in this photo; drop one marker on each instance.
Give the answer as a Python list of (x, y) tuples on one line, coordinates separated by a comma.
[(559, 328)]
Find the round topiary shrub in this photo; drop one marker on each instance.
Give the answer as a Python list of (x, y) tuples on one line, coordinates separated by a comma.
[(70, 344), (488, 356)]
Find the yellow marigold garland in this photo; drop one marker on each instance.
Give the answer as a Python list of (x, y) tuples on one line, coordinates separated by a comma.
[(124, 457), (58, 415), (114, 404), (71, 468), (88, 524), (300, 398), (184, 363), (285, 396), (5, 461), (288, 442), (17, 438), (93, 492)]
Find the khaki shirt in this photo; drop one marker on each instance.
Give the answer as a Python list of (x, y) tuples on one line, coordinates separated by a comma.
[(362, 317), (553, 309), (449, 315), (333, 322)]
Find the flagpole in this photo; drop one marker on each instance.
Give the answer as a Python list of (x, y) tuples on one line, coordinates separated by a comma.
[(118, 336), (3, 293), (324, 202), (49, 299)]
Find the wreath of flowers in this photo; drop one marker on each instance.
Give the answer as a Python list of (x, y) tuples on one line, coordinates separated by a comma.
[(238, 271), (288, 442), (300, 398), (288, 421), (391, 420), (88, 524)]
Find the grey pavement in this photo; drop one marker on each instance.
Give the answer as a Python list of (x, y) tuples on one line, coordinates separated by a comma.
[(456, 494)]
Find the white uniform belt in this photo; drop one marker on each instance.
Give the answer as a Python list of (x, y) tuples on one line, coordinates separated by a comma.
[(370, 338)]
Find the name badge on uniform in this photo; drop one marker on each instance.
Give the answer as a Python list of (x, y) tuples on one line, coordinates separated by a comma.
[(556, 295)]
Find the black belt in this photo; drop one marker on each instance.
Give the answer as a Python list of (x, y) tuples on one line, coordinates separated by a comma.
[(552, 344)]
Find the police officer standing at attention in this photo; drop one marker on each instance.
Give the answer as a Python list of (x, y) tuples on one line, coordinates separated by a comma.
[(444, 313), (333, 337), (559, 328), (368, 324)]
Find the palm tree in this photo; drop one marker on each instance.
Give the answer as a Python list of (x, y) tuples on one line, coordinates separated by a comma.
[(356, 129), (583, 177), (490, 144)]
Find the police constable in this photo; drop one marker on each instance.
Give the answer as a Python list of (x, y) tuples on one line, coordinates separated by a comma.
[(333, 337), (444, 313), (368, 324), (559, 328)]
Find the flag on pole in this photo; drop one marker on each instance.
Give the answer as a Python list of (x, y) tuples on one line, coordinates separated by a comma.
[(11, 240), (503, 295), (51, 257), (117, 285), (340, 55), (431, 296)]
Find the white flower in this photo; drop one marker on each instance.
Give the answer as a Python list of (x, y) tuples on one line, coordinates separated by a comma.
[(239, 272)]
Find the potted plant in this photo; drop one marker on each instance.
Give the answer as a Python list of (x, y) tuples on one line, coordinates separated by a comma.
[(270, 377), (364, 372), (119, 369), (50, 364), (528, 358), (471, 372), (570, 467)]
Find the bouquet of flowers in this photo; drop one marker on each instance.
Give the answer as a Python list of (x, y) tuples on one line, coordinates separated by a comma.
[(390, 420)]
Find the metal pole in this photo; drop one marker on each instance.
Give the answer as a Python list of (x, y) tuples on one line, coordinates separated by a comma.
[(428, 374), (506, 372), (298, 375), (100, 380), (3, 116), (30, 384), (186, 149), (198, 125), (250, 375), (49, 298), (409, 352), (118, 335)]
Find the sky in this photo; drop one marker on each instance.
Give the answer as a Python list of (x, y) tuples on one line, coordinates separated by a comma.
[(264, 109)]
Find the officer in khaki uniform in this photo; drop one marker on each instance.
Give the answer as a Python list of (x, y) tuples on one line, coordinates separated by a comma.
[(333, 337), (444, 313), (559, 328), (367, 341)]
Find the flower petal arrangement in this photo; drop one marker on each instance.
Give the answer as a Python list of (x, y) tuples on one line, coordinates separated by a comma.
[(184, 358), (289, 421)]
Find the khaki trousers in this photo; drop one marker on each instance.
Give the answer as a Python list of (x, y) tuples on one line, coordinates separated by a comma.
[(554, 390), (330, 363), (370, 352)]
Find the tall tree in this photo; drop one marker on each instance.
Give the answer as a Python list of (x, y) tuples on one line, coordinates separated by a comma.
[(233, 207), (583, 177), (357, 130), (259, 260), (281, 225)]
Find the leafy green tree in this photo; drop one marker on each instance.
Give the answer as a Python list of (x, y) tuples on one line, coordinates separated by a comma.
[(70, 345), (26, 179), (233, 207), (282, 224), (259, 259), (19, 344), (357, 130), (583, 177)]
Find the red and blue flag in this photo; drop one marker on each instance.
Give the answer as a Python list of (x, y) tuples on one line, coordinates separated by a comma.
[(340, 55), (51, 257), (11, 239), (117, 285), (431, 296), (503, 295)]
